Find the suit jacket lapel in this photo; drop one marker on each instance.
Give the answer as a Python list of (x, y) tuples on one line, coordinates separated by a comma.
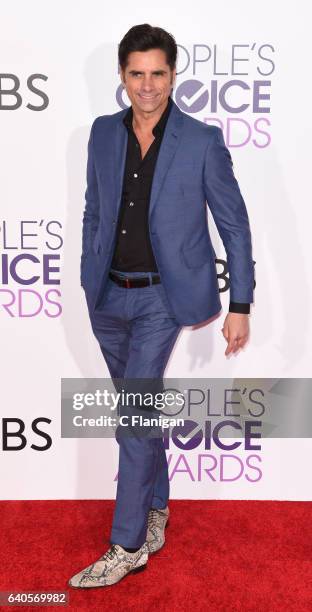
[(169, 145)]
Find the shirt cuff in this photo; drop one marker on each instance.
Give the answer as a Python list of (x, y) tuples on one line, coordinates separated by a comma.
[(239, 307)]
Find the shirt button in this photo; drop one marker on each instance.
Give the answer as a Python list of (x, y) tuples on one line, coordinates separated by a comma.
[(131, 204), (123, 231), (135, 175)]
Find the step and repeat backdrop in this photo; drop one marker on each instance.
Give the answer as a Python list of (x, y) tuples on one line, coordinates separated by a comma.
[(244, 71)]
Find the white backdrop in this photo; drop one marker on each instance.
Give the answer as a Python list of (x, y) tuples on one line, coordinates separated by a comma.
[(71, 48)]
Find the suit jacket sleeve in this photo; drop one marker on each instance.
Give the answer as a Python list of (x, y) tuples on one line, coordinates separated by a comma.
[(91, 211), (230, 215)]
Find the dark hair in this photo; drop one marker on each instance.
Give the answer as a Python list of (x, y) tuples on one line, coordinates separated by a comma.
[(144, 37)]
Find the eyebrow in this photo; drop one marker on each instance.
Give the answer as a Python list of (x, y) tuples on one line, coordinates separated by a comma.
[(142, 71)]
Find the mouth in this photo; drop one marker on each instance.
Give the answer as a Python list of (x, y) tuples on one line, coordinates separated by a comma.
[(147, 97)]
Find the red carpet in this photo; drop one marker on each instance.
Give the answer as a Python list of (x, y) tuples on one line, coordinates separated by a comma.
[(219, 556)]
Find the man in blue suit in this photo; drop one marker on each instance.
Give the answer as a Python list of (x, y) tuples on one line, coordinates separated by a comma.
[(148, 266)]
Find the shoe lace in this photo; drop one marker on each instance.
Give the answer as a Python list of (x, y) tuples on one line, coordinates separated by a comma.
[(152, 517), (110, 553)]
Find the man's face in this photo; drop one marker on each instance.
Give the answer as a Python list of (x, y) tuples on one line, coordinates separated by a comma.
[(148, 80)]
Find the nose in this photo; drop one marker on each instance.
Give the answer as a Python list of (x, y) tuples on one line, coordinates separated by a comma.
[(147, 83)]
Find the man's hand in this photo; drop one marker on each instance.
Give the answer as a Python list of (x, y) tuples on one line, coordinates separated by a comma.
[(236, 331)]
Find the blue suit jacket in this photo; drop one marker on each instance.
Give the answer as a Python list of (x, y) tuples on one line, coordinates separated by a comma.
[(193, 168)]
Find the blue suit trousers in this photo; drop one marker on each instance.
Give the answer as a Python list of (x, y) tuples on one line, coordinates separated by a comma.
[(136, 331)]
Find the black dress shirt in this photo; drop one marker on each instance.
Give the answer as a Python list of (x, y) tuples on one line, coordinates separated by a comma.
[(133, 251)]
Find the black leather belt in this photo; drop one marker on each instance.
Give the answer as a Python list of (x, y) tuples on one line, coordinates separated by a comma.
[(130, 283)]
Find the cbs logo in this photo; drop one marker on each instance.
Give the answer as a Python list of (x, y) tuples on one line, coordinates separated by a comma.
[(11, 98)]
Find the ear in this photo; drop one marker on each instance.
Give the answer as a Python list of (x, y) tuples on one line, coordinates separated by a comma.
[(122, 77)]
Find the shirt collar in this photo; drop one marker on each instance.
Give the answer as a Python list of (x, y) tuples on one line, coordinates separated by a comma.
[(159, 127)]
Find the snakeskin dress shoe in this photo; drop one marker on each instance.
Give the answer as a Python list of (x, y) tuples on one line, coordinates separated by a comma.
[(155, 537), (111, 567)]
